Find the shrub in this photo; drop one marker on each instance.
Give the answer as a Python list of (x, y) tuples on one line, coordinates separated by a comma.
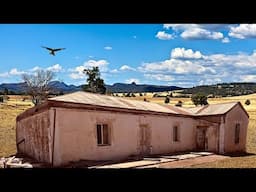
[(167, 100), (1, 99), (141, 94), (247, 102), (179, 104)]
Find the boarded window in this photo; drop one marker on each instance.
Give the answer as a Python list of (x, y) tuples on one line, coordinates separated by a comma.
[(103, 134), (237, 133), (176, 133)]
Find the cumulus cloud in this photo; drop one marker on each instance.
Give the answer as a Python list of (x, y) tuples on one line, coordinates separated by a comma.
[(186, 54), (16, 72), (134, 37), (127, 68), (94, 63), (243, 31), (114, 71), (77, 72), (36, 68), (225, 40), (163, 35), (203, 68), (210, 81), (200, 34), (108, 48), (131, 80), (198, 31), (55, 68), (6, 74), (159, 77), (248, 78)]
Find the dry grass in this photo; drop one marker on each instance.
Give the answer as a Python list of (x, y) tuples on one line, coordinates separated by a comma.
[(9, 111)]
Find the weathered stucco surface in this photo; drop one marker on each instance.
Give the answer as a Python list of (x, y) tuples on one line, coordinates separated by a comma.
[(76, 138), (236, 115), (33, 131), (61, 134)]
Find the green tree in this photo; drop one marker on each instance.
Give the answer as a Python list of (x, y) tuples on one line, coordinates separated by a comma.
[(199, 99), (95, 83)]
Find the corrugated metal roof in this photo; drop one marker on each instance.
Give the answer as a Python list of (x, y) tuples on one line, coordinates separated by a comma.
[(110, 101), (213, 109), (118, 102)]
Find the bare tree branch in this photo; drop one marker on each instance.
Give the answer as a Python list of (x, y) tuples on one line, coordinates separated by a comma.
[(37, 85)]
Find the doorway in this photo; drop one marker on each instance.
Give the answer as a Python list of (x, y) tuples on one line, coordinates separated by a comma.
[(144, 139), (201, 138)]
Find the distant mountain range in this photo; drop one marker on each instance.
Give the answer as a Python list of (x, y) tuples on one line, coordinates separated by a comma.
[(57, 86), (222, 90)]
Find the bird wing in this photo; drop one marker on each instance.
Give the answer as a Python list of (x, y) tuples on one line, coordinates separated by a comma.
[(50, 49), (59, 49)]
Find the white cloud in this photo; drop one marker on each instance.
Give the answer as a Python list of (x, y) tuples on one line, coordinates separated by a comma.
[(127, 68), (248, 78), (163, 35), (180, 27), (198, 31), (134, 37), (225, 40), (77, 76), (177, 27), (159, 77), (187, 54), (94, 63), (243, 31), (137, 81), (114, 71), (6, 74), (35, 68), (14, 71), (210, 81), (208, 69), (176, 66), (77, 72), (90, 56), (108, 48), (200, 34), (55, 68)]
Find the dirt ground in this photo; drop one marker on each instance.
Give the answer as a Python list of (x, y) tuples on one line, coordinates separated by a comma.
[(186, 163)]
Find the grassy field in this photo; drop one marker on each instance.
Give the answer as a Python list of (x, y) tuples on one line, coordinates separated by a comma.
[(10, 109), (8, 112)]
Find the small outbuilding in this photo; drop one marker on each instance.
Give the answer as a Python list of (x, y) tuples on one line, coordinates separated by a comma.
[(87, 126)]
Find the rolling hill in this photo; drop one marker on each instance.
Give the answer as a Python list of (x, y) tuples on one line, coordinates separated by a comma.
[(57, 87)]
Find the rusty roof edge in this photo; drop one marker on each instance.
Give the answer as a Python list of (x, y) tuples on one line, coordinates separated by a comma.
[(32, 110), (240, 104), (57, 104)]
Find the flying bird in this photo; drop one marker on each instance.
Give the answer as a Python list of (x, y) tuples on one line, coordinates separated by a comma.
[(52, 51)]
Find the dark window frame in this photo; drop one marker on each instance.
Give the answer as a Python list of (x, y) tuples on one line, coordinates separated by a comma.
[(176, 133), (237, 133), (103, 134)]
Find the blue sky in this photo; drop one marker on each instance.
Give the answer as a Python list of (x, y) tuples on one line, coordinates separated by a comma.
[(164, 54)]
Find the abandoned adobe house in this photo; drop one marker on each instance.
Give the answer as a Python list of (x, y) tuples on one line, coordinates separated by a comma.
[(86, 126)]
